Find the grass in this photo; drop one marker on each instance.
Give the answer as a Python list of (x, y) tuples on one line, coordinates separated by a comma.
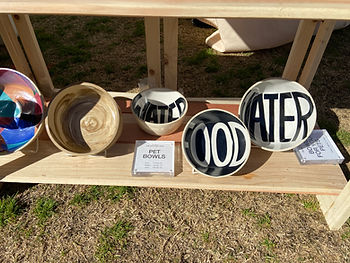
[(344, 137), (205, 236), (139, 29), (112, 240), (141, 71), (98, 25), (199, 57), (9, 209), (44, 209), (310, 205), (93, 193), (115, 193), (96, 192), (269, 246), (263, 220), (249, 212)]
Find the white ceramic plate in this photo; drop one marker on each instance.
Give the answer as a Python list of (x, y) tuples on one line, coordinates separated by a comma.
[(279, 114), (216, 143)]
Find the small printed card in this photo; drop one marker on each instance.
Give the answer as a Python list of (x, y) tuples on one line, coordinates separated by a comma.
[(319, 148), (154, 158)]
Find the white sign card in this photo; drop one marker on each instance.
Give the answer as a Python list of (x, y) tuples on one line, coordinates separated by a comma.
[(154, 158), (319, 148)]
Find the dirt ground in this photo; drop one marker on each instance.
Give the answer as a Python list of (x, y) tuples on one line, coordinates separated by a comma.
[(118, 224)]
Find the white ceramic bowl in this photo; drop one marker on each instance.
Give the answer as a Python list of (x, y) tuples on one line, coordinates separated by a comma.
[(279, 114), (216, 143), (159, 111), (83, 120)]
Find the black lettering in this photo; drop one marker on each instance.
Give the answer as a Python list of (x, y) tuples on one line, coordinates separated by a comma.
[(302, 119), (180, 101), (283, 118), (151, 115), (163, 111), (271, 98), (144, 110), (247, 108), (135, 105), (258, 102), (170, 116)]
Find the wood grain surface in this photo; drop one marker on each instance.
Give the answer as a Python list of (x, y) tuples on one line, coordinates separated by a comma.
[(316, 9)]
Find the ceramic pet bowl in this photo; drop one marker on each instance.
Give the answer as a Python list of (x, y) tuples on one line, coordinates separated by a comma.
[(83, 120), (216, 143), (159, 111), (279, 114), (21, 111)]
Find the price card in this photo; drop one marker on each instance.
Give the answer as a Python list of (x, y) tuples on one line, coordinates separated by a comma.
[(154, 158)]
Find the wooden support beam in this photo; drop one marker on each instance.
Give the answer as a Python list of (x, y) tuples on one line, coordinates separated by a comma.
[(318, 47), (170, 52), (152, 29), (34, 55), (299, 48), (13, 46), (338, 208)]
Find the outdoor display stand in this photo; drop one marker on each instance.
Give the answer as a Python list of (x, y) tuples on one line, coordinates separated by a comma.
[(278, 172)]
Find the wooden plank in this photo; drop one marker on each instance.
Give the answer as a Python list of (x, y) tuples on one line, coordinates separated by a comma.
[(277, 172), (339, 210), (152, 30), (34, 55), (170, 52), (318, 47), (299, 48), (325, 202), (292, 9), (264, 171), (13, 46)]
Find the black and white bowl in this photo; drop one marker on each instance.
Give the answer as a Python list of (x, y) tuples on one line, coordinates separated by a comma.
[(216, 143), (159, 111), (279, 114)]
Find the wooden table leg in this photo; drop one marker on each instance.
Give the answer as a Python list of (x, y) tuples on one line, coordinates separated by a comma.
[(336, 209), (299, 48), (152, 30), (318, 47), (13, 46), (170, 52), (34, 55)]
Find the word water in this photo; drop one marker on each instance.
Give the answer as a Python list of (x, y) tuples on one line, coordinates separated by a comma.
[(281, 118), (155, 113)]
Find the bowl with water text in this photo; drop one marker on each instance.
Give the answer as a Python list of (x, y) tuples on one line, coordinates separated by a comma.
[(159, 111), (279, 114)]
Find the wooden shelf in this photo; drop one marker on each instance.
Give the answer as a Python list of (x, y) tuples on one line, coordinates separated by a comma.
[(277, 172), (315, 9), (264, 171)]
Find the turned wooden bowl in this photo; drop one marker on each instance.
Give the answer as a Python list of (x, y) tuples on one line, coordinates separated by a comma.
[(21, 111), (159, 111), (83, 120)]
